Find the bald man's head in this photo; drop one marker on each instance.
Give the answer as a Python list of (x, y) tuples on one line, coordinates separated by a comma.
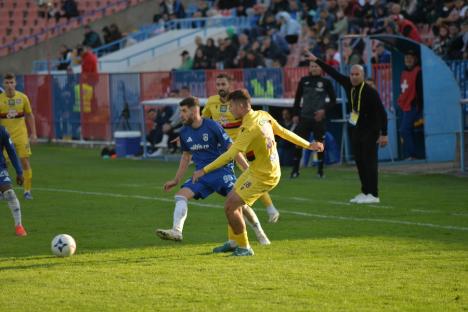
[(356, 75)]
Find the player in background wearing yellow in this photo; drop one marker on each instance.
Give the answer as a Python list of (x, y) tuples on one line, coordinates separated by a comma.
[(217, 108), (256, 139), (15, 113)]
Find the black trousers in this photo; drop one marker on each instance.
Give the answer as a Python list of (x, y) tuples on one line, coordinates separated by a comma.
[(365, 149), (303, 129)]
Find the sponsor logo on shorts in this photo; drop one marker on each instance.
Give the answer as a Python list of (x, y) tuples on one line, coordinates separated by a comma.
[(246, 185)]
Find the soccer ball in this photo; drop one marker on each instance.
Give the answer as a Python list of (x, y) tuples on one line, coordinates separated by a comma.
[(63, 245)]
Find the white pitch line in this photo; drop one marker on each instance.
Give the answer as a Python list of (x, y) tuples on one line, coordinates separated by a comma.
[(298, 213)]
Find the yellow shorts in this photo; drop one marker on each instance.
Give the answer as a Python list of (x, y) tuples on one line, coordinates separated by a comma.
[(22, 147), (251, 188)]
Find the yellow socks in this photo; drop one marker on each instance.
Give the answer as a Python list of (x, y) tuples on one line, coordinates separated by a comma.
[(27, 180)]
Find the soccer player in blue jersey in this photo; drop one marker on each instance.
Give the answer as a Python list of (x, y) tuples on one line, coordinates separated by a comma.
[(202, 141), (5, 182)]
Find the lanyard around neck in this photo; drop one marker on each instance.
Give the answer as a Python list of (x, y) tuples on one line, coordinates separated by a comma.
[(359, 98)]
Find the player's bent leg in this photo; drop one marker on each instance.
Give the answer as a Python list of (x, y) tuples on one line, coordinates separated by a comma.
[(14, 205), (233, 210), (273, 213), (180, 215), (252, 220)]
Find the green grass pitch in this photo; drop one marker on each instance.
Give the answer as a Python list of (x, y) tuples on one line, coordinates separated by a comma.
[(410, 253)]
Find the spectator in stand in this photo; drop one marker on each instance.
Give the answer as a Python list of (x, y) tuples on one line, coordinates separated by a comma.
[(172, 9), (211, 52), (244, 43), (253, 60), (407, 28), (200, 61), (70, 9), (290, 28), (91, 38), (186, 61), (227, 54), (202, 9), (115, 32), (225, 4), (242, 6), (265, 21), (382, 56), (199, 43), (455, 45), (65, 58), (271, 51), (277, 6), (340, 27), (441, 41), (332, 57)]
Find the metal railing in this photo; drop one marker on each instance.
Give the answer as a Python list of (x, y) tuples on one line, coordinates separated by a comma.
[(152, 30)]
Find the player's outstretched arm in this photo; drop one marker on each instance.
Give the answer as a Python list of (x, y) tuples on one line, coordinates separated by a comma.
[(183, 165), (288, 135), (316, 146), (32, 127), (242, 162), (19, 180)]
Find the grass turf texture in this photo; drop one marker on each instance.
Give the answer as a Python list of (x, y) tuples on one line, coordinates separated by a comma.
[(408, 253)]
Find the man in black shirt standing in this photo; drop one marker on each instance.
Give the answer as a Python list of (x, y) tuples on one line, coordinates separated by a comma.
[(317, 97), (369, 127)]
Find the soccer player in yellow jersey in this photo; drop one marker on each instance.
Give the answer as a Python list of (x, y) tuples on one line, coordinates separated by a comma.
[(15, 112), (257, 140), (217, 108)]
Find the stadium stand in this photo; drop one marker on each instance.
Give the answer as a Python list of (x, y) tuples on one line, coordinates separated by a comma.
[(21, 23)]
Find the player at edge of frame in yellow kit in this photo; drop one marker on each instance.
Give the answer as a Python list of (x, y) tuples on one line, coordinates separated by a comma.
[(217, 108), (15, 113), (256, 140)]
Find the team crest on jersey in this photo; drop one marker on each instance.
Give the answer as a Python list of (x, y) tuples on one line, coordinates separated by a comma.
[(319, 86), (11, 102), (223, 108), (18, 101), (205, 137)]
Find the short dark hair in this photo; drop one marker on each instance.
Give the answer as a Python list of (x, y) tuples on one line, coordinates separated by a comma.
[(9, 76), (224, 76), (240, 95), (190, 102)]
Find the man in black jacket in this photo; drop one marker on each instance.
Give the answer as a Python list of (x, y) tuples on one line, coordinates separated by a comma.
[(317, 97), (369, 127)]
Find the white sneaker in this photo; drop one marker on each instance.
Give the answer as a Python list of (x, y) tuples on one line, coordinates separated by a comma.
[(158, 152), (358, 197), (273, 216), (262, 238), (169, 235), (369, 199)]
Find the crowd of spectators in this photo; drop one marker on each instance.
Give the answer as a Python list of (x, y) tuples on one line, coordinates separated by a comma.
[(280, 24), (68, 57)]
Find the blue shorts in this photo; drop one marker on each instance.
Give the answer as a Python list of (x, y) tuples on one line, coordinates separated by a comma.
[(4, 177), (220, 181)]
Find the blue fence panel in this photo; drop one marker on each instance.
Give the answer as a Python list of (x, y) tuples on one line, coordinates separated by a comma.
[(66, 106), (194, 79), (460, 70), (264, 82), (125, 101)]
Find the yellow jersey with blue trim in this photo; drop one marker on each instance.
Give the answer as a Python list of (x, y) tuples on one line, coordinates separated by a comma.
[(219, 112), (256, 139), (12, 112)]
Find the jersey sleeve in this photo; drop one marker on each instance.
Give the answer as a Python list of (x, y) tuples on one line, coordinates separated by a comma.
[(206, 112), (10, 148), (183, 145), (27, 105), (288, 135), (240, 145), (221, 135)]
